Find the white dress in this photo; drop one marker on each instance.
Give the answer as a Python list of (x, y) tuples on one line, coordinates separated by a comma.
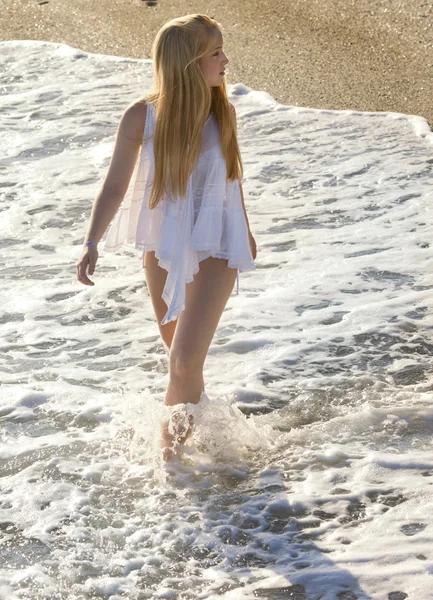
[(208, 221)]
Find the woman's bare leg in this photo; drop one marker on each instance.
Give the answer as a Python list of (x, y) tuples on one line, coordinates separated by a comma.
[(189, 337), (155, 279), (206, 298)]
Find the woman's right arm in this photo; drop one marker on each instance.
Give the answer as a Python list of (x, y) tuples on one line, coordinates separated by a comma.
[(126, 148)]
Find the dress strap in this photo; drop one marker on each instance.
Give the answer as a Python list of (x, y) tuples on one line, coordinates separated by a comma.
[(148, 127)]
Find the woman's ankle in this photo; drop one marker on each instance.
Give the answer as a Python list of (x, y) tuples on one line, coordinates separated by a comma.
[(182, 394)]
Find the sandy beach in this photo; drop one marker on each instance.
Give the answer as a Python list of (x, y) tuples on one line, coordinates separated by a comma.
[(309, 470), (337, 54)]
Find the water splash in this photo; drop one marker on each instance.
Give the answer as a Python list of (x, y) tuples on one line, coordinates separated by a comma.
[(221, 436)]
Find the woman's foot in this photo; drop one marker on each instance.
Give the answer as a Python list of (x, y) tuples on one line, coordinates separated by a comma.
[(176, 431)]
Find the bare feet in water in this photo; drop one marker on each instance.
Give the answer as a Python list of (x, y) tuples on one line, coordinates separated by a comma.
[(175, 435)]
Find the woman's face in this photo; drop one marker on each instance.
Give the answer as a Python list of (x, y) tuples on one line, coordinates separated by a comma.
[(213, 63)]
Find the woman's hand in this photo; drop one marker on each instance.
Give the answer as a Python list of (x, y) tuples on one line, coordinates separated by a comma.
[(253, 245), (88, 258)]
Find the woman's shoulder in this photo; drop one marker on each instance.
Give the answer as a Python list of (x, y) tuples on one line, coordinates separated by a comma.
[(133, 119)]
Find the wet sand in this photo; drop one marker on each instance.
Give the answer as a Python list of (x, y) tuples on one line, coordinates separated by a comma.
[(367, 55)]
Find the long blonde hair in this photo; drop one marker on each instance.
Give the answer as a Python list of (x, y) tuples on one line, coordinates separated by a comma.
[(183, 100)]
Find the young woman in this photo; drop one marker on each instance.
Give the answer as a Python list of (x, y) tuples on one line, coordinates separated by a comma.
[(186, 211)]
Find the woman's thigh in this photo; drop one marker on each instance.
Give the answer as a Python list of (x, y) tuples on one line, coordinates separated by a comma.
[(155, 279), (206, 298)]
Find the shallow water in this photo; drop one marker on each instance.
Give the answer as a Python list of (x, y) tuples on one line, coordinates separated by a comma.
[(309, 471)]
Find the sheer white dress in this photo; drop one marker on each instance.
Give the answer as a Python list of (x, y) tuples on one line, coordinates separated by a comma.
[(208, 221)]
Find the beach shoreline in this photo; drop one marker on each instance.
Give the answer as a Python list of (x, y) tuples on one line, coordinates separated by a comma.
[(330, 54)]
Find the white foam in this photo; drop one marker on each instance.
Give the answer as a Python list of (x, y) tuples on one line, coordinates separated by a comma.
[(310, 462)]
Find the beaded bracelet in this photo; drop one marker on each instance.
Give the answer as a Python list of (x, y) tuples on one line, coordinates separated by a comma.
[(91, 244)]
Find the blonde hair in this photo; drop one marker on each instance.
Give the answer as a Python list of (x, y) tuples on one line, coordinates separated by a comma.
[(183, 100)]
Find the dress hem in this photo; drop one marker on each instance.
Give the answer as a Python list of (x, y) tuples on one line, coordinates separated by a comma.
[(176, 311), (234, 263)]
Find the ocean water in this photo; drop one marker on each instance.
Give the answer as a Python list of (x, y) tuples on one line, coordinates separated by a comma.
[(309, 474)]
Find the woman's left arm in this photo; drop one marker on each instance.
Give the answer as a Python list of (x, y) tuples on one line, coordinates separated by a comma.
[(253, 245), (243, 205)]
